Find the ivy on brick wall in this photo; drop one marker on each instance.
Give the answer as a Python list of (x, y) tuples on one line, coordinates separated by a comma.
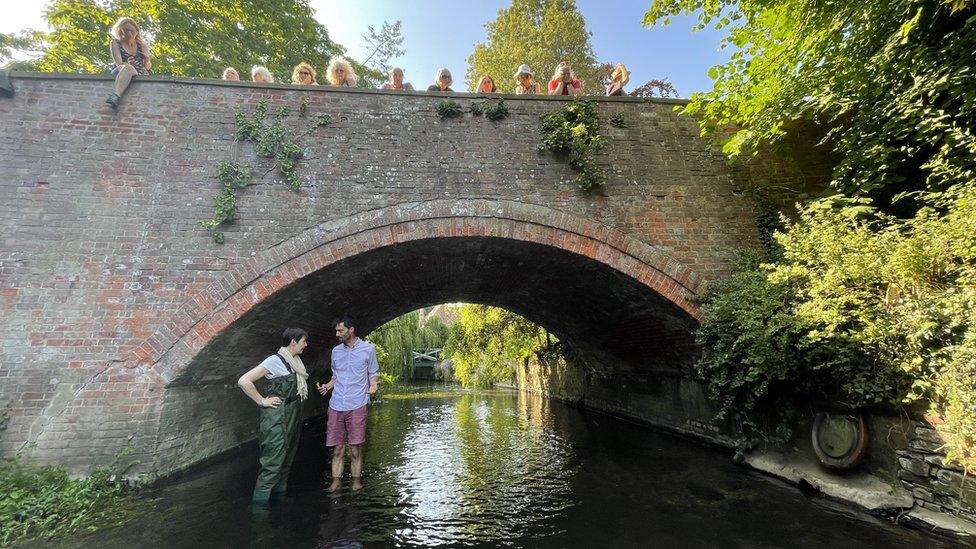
[(574, 132), (492, 109), (272, 140)]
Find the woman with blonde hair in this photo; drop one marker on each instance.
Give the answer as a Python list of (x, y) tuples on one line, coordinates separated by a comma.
[(442, 82), (340, 73), (396, 81), (130, 52), (486, 85), (564, 82), (231, 74), (261, 75), (618, 79), (525, 83), (304, 75)]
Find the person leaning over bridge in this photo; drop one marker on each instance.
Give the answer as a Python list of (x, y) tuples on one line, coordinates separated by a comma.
[(231, 75), (486, 85), (355, 376), (396, 81), (442, 82), (525, 81), (618, 79), (303, 75), (261, 75), (340, 72), (281, 412), (564, 82), (131, 56)]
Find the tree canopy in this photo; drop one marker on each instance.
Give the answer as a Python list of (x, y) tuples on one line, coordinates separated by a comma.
[(868, 296), (486, 343), (894, 79), (188, 38), (539, 33)]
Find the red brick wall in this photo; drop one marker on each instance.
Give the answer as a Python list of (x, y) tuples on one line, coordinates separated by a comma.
[(123, 324)]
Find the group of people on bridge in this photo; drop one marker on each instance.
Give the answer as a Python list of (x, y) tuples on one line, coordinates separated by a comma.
[(355, 378), (131, 56)]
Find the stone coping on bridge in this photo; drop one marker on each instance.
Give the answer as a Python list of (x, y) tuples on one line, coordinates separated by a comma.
[(197, 81)]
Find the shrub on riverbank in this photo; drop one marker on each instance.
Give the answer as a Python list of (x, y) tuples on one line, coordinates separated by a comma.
[(43, 502), (862, 309)]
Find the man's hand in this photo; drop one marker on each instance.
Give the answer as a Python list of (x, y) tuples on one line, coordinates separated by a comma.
[(373, 387), (271, 402), (324, 389)]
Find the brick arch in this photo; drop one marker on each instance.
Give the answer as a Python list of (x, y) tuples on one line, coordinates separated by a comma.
[(207, 313)]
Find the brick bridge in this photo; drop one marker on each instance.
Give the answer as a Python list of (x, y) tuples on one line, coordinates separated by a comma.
[(125, 325)]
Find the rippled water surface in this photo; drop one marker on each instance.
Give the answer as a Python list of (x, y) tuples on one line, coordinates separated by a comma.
[(497, 468)]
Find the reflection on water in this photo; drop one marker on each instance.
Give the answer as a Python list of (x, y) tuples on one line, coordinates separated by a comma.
[(499, 468)]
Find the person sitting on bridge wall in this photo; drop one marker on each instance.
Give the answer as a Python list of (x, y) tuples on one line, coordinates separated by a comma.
[(304, 75), (525, 81), (231, 74), (281, 412), (261, 75), (618, 79), (442, 82), (486, 85), (131, 55), (564, 82), (340, 72), (355, 376), (396, 81)]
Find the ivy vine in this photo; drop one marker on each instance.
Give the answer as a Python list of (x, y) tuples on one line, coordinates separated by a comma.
[(574, 132), (449, 109), (492, 109), (272, 140), (617, 120)]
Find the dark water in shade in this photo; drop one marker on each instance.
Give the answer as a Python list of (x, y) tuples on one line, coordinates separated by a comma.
[(447, 467)]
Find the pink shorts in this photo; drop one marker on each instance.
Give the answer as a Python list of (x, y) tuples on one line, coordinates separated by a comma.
[(346, 427)]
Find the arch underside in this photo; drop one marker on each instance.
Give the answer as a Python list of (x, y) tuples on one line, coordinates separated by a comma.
[(592, 307)]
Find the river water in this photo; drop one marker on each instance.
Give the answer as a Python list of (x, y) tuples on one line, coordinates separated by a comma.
[(447, 467)]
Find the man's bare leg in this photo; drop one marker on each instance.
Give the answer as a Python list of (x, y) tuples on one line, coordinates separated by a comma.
[(356, 465), (338, 452)]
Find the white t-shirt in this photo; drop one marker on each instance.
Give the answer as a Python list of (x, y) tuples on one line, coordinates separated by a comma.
[(273, 364)]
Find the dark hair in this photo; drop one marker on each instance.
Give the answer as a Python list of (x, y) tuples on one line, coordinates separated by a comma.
[(346, 321), (292, 334)]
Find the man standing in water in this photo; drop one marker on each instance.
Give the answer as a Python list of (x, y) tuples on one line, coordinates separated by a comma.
[(281, 412), (355, 376)]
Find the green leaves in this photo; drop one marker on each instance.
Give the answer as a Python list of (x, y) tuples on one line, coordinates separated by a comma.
[(449, 109), (272, 140), (892, 79), (188, 38), (540, 33), (574, 132), (487, 342), (44, 503), (397, 339), (862, 310)]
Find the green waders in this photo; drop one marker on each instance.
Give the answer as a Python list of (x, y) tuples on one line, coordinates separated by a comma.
[(279, 431)]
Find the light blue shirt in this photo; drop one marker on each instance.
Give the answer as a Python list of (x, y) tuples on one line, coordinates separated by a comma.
[(352, 368)]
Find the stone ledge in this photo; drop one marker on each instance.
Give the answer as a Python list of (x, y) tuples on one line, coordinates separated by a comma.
[(25, 75), (863, 490), (941, 523)]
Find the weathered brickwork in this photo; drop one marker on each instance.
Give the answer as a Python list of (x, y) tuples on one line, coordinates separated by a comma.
[(123, 324)]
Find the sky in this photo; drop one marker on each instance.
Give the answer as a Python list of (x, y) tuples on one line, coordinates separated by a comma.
[(442, 33)]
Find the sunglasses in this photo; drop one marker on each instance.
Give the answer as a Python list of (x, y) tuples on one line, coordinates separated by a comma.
[(304, 73)]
